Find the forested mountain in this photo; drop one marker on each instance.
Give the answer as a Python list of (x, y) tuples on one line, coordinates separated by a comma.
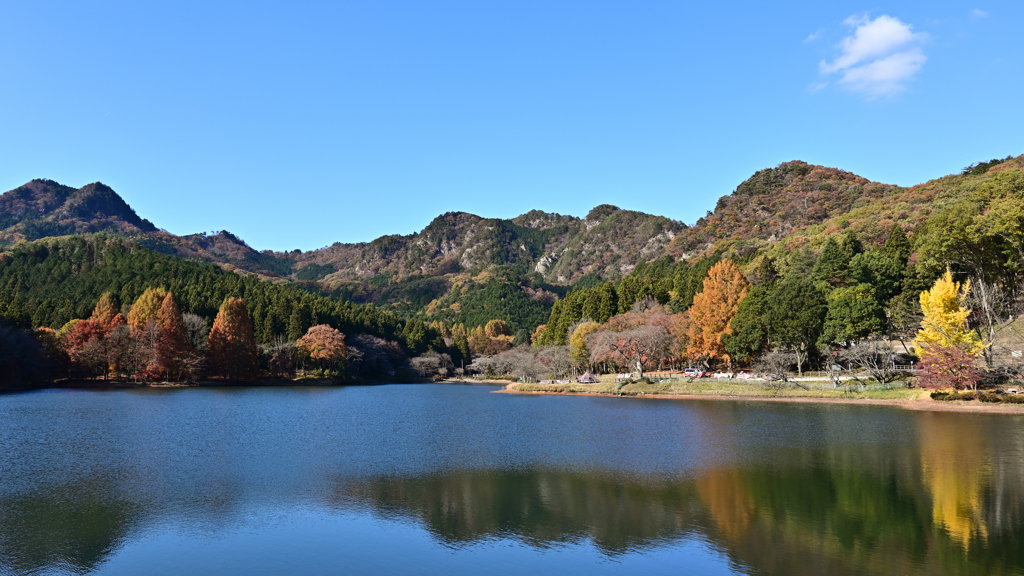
[(45, 208), (464, 268), (800, 260)]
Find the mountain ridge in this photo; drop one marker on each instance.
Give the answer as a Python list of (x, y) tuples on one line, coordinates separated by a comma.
[(531, 258)]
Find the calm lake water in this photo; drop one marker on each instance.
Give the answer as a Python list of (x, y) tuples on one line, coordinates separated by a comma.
[(441, 479)]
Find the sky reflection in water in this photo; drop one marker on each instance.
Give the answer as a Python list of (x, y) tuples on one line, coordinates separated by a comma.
[(452, 479)]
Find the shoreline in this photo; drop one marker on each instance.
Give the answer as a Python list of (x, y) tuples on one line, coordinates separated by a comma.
[(920, 405), (111, 385)]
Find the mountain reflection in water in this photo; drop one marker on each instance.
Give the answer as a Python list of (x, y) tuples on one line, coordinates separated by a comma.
[(777, 489)]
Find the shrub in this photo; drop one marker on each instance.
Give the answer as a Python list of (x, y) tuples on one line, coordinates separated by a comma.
[(1013, 399), (968, 395), (989, 397)]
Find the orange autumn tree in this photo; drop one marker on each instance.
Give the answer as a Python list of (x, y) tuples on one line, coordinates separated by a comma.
[(173, 343), (231, 349), (325, 346), (713, 310), (107, 314)]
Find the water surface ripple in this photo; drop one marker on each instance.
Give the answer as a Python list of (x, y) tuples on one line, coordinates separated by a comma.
[(442, 479)]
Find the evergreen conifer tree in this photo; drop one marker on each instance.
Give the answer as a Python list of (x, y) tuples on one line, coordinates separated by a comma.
[(833, 265), (897, 245)]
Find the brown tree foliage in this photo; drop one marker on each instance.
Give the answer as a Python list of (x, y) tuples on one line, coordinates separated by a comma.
[(231, 352), (496, 328), (538, 333), (325, 346), (490, 340), (634, 340), (713, 310), (83, 343), (173, 344), (106, 312)]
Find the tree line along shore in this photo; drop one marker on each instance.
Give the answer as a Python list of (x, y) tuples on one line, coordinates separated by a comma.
[(932, 302)]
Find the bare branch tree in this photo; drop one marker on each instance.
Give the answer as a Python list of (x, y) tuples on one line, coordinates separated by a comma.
[(993, 310), (876, 360), (638, 347)]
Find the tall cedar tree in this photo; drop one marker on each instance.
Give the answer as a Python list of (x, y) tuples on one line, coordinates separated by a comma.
[(714, 308), (796, 314), (897, 245), (748, 336), (833, 264), (146, 307), (173, 342), (231, 352)]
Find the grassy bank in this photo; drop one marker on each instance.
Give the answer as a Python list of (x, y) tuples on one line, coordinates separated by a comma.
[(725, 387), (805, 391)]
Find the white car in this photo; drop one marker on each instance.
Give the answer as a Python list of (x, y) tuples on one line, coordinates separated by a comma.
[(723, 374)]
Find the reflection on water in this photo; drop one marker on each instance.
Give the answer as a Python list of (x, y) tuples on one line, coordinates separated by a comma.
[(769, 489), (956, 472)]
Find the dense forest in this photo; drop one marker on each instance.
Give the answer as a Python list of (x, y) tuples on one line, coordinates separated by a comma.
[(799, 266)]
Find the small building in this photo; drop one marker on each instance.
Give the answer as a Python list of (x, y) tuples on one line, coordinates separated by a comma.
[(587, 378)]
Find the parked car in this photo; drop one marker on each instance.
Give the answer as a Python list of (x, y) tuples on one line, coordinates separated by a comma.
[(744, 375), (692, 373), (723, 374)]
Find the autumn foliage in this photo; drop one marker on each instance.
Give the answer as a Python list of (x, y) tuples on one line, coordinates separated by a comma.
[(949, 367), (324, 346), (231, 352), (945, 318), (713, 310)]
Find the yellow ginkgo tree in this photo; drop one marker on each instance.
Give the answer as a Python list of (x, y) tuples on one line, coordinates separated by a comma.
[(945, 318)]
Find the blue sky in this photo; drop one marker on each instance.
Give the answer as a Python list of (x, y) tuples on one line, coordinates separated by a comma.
[(298, 124)]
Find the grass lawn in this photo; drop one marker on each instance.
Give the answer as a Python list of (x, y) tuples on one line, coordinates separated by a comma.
[(728, 387)]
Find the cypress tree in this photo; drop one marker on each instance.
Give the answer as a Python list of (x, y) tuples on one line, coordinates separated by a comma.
[(897, 245), (833, 265)]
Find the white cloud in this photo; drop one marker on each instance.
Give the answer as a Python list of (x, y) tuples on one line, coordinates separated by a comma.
[(878, 57), (885, 75), (976, 13)]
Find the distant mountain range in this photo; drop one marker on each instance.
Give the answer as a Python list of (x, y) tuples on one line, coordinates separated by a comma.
[(537, 253)]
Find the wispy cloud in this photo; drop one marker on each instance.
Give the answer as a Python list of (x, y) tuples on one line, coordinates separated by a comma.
[(878, 57), (976, 13)]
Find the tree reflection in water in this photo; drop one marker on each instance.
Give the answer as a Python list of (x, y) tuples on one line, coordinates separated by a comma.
[(945, 497)]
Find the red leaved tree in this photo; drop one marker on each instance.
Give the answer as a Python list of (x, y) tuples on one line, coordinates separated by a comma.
[(949, 367), (84, 345)]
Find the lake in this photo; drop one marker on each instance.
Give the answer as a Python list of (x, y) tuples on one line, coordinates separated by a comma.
[(448, 479)]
